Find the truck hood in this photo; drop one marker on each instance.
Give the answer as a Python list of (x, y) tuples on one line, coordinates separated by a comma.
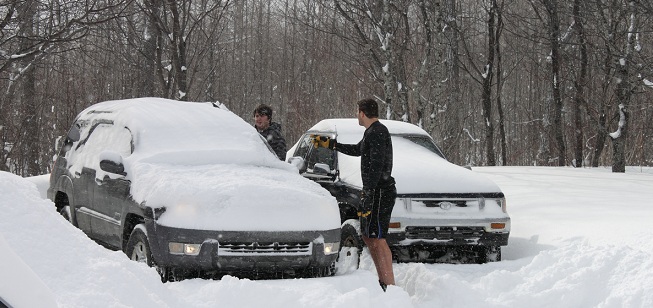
[(419, 171), (230, 197)]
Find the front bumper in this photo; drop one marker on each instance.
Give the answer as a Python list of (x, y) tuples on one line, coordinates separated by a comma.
[(243, 251), (429, 232)]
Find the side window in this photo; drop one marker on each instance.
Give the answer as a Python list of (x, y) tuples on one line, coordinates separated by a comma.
[(108, 137), (322, 156), (98, 138), (303, 147)]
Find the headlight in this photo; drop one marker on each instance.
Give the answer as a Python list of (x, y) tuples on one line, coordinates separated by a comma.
[(502, 203), (184, 249), (331, 248)]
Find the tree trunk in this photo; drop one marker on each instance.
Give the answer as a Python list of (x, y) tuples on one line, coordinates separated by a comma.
[(29, 137), (624, 94), (400, 68), (554, 35), (619, 141), (178, 51), (487, 87), (579, 84), (423, 72), (389, 80), (453, 132), (502, 129), (152, 35)]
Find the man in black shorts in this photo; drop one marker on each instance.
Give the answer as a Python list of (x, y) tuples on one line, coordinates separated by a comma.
[(379, 192)]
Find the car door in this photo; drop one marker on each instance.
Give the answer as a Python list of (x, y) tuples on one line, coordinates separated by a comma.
[(315, 161), (110, 191), (321, 166), (81, 179), (319, 163)]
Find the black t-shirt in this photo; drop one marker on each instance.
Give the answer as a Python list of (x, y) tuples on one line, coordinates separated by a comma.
[(375, 150)]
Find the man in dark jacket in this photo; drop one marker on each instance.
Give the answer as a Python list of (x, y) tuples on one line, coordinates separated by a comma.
[(379, 192), (271, 131)]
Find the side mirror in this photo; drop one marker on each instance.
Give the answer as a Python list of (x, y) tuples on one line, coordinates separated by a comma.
[(112, 162), (73, 134), (112, 167), (321, 169), (298, 162)]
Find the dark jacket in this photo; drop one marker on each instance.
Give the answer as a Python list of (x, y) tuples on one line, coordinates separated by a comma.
[(274, 138), (375, 150)]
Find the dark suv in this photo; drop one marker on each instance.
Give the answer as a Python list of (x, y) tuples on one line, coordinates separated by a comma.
[(191, 187), (443, 212)]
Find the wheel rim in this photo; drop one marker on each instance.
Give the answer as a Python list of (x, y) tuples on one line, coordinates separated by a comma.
[(140, 253)]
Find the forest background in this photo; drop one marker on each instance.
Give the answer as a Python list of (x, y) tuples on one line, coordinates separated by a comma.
[(495, 82)]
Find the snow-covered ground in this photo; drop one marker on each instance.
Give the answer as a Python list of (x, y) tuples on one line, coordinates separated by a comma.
[(580, 238)]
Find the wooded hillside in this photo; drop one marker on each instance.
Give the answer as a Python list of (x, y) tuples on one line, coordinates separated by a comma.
[(495, 82)]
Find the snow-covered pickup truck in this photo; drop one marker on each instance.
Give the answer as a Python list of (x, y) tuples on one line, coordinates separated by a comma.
[(443, 212)]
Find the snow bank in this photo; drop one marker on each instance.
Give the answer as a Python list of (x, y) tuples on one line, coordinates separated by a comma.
[(581, 238)]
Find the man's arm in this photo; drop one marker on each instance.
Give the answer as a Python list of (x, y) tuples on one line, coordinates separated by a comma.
[(349, 149)]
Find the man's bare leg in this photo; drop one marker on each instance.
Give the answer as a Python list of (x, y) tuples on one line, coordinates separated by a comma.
[(382, 257)]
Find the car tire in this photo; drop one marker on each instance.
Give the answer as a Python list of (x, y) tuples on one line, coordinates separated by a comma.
[(138, 247), (166, 273), (490, 254), (317, 272), (351, 246)]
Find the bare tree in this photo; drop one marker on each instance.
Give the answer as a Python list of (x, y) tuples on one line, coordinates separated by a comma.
[(579, 85), (499, 83), (553, 24), (538, 76), (485, 76), (377, 29), (624, 91), (32, 32), (173, 24)]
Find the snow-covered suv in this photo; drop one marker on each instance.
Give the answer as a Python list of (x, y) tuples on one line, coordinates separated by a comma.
[(443, 212), (191, 187)]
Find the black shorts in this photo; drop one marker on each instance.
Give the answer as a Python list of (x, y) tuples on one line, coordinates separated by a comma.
[(381, 202)]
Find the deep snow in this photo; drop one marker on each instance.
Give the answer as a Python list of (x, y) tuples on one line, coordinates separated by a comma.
[(580, 238)]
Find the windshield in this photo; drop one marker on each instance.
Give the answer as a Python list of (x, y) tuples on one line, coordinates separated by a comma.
[(422, 141)]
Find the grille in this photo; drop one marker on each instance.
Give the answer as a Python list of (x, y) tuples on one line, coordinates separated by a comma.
[(265, 248), (443, 233), (436, 203)]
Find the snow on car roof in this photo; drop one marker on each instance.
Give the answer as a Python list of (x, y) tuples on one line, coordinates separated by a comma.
[(162, 126), (351, 126)]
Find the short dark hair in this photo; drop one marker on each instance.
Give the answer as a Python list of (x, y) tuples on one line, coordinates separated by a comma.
[(263, 109), (369, 107)]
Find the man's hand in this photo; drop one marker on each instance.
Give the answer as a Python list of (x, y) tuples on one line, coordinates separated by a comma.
[(323, 141), (365, 207)]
